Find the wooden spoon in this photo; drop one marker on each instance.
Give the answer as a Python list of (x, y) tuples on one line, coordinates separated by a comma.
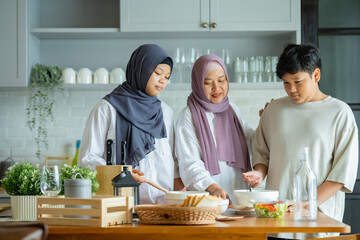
[(142, 179), (157, 186)]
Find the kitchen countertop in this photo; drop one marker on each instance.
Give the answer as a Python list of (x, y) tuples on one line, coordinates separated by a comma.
[(249, 227)]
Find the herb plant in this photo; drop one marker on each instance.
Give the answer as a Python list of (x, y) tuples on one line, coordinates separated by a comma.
[(68, 172), (22, 179), (44, 80)]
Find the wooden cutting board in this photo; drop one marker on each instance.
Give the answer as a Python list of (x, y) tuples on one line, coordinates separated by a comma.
[(4, 207)]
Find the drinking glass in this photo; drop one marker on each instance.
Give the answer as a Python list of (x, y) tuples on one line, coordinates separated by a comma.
[(267, 69), (260, 68), (50, 183), (241, 69), (274, 61), (252, 69), (179, 61), (191, 56)]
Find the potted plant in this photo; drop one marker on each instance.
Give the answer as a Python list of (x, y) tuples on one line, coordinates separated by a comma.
[(68, 172), (44, 80), (22, 183)]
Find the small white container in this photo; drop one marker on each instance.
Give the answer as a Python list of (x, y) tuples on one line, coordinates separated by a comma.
[(117, 76), (243, 197), (84, 76), (69, 76), (224, 205), (101, 76)]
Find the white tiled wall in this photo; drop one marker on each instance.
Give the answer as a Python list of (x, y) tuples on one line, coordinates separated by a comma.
[(74, 105)]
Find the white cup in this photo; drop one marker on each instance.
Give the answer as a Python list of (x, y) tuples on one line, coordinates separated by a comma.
[(84, 76), (69, 75), (117, 76), (101, 76)]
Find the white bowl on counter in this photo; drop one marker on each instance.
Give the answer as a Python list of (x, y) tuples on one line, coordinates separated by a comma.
[(224, 204), (177, 197), (245, 198)]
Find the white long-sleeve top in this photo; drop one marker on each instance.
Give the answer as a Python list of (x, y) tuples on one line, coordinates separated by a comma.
[(191, 166), (158, 166), (328, 128)]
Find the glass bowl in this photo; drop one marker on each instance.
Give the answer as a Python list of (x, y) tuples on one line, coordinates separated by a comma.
[(271, 209)]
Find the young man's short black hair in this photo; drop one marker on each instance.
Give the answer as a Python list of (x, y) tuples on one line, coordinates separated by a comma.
[(297, 58)]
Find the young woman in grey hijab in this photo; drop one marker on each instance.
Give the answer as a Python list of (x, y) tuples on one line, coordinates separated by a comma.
[(133, 113)]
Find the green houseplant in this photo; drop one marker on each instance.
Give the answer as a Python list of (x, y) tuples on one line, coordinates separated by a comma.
[(22, 183), (22, 179), (44, 80)]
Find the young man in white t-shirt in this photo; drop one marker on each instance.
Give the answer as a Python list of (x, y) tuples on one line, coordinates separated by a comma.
[(306, 118)]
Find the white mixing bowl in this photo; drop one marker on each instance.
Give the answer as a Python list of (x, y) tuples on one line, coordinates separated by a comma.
[(244, 197)]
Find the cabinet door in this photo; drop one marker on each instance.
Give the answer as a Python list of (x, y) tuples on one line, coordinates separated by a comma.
[(255, 15), (13, 57), (163, 15)]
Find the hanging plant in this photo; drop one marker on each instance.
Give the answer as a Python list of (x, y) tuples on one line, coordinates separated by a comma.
[(44, 80)]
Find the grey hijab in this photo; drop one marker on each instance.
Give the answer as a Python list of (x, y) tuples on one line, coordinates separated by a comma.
[(139, 116)]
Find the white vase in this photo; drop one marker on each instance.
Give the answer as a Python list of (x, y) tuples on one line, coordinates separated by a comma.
[(24, 207)]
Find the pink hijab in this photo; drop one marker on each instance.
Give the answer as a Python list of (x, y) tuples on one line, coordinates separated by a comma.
[(230, 138)]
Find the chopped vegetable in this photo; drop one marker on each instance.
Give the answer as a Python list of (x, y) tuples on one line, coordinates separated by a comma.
[(274, 210)]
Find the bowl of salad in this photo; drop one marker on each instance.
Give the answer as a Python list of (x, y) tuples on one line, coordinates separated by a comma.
[(274, 209)]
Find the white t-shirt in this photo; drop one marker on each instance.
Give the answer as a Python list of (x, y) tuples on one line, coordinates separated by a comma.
[(328, 128), (158, 166), (191, 166)]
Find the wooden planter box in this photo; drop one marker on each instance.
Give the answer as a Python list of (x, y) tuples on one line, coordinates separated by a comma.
[(101, 211)]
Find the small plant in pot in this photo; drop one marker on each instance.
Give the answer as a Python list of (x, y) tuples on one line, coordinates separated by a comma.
[(44, 80), (22, 183)]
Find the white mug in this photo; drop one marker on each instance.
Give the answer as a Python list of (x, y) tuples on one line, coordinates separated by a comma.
[(69, 75), (117, 76), (101, 76), (84, 76)]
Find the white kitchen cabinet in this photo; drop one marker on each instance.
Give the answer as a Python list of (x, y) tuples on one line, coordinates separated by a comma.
[(164, 15), (97, 33), (13, 43), (209, 15)]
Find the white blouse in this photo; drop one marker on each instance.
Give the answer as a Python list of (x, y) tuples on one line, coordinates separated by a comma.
[(191, 166), (158, 166)]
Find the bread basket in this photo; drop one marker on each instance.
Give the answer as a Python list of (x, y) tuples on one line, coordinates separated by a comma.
[(173, 214)]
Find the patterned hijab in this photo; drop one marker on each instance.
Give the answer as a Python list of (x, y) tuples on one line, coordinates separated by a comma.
[(139, 116), (231, 144)]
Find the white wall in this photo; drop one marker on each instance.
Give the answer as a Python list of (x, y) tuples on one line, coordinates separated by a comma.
[(73, 107)]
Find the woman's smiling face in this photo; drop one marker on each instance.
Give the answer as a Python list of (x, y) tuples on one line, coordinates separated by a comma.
[(216, 86)]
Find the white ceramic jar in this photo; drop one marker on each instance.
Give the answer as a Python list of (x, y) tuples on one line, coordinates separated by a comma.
[(84, 76), (117, 76), (69, 75), (101, 76)]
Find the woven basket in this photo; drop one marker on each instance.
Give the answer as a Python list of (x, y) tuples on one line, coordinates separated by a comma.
[(172, 214)]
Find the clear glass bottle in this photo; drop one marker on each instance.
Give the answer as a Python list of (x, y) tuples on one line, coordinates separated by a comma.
[(305, 190), (75, 160)]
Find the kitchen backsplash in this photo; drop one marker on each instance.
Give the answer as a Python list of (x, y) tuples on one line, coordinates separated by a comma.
[(73, 107)]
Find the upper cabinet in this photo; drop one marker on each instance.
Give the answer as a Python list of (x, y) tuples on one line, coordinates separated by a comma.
[(164, 15), (209, 15), (98, 33), (13, 43)]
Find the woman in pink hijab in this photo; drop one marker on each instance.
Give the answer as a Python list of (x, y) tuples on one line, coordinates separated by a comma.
[(212, 138)]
